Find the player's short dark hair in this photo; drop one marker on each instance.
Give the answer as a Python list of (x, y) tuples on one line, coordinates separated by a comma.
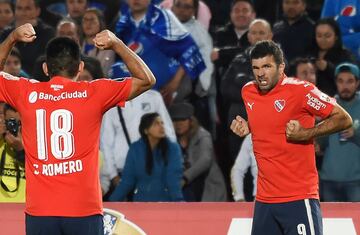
[(62, 57), (267, 48)]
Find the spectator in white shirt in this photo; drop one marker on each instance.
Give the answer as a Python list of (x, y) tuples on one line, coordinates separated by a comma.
[(244, 160)]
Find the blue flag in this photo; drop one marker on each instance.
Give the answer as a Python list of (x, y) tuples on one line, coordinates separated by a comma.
[(162, 42)]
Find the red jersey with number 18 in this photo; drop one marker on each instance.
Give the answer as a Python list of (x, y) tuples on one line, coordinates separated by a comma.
[(286, 170), (60, 129)]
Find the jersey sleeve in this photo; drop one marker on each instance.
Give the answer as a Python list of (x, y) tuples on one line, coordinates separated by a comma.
[(317, 102), (10, 88), (112, 93)]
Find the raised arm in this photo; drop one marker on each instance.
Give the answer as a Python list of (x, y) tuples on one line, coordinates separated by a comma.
[(143, 78), (23, 33), (338, 120)]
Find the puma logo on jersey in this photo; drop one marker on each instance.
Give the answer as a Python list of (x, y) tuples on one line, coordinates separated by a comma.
[(250, 105)]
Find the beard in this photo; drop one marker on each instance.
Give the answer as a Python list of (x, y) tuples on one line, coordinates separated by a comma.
[(346, 95)]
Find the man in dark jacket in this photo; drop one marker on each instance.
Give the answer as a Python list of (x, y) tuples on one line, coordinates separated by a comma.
[(238, 74), (28, 11), (295, 29)]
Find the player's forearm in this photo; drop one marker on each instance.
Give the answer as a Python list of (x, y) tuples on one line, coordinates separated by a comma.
[(137, 68), (338, 120), (5, 48)]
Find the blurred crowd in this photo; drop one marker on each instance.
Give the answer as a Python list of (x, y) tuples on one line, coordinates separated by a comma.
[(173, 143)]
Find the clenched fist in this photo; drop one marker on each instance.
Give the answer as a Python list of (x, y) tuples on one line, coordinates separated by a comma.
[(295, 132), (105, 40), (240, 126), (24, 33)]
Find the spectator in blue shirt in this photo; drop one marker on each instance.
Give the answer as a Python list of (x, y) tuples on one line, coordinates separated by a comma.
[(153, 167)]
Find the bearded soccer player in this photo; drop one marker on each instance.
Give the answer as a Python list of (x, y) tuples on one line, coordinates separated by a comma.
[(281, 118), (60, 127)]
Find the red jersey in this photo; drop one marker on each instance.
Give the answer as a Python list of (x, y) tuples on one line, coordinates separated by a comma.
[(61, 122), (286, 171)]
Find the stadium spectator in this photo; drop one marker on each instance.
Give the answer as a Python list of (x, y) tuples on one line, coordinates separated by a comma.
[(346, 13), (340, 171), (201, 12), (204, 97), (91, 24), (238, 74), (244, 160), (153, 167), (231, 39), (304, 69), (296, 28), (56, 131), (6, 14), (328, 52), (12, 168), (13, 64), (28, 11), (76, 9), (117, 133), (281, 116), (202, 178), (68, 28), (158, 37)]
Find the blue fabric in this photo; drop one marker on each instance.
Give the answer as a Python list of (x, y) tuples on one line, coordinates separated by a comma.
[(287, 218), (57, 225), (162, 42), (164, 182), (88, 47)]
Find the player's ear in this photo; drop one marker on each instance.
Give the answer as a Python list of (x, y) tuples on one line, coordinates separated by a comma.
[(281, 68), (81, 66), (45, 69)]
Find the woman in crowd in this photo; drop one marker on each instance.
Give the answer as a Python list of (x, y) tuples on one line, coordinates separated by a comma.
[(153, 167), (328, 52), (93, 23)]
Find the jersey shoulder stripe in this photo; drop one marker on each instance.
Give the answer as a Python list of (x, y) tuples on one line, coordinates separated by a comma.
[(293, 81)]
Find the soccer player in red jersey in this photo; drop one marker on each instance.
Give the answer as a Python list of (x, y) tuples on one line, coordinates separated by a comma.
[(60, 128), (281, 118)]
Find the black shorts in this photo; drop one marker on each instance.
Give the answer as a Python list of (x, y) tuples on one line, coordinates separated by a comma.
[(56, 225), (302, 217)]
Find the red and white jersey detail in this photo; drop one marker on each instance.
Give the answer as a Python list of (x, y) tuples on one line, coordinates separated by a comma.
[(60, 128), (287, 170)]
